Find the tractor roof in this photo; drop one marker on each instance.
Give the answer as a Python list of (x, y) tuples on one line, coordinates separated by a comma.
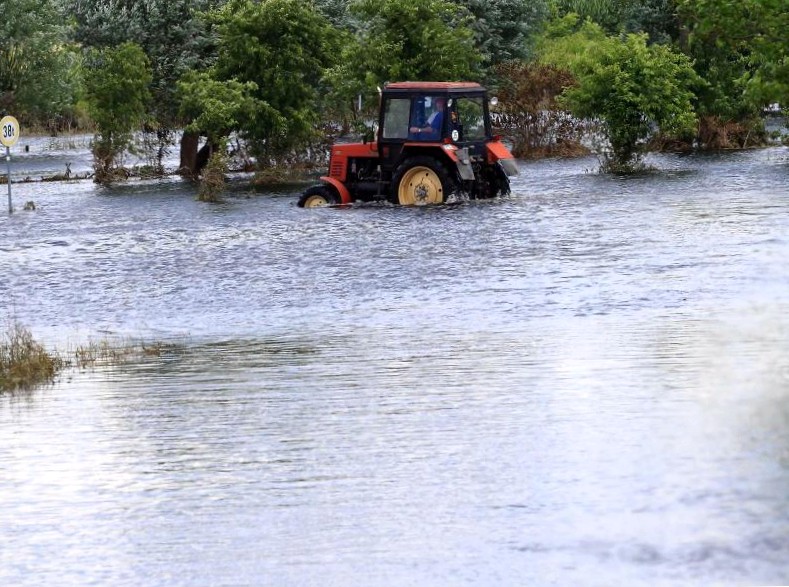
[(433, 86)]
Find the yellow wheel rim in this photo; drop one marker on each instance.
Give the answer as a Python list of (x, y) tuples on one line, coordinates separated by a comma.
[(420, 186), (316, 201)]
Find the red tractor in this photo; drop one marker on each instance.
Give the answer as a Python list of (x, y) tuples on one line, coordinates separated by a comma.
[(434, 139)]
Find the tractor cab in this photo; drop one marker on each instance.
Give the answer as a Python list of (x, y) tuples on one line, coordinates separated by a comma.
[(435, 117), (416, 114), (434, 139)]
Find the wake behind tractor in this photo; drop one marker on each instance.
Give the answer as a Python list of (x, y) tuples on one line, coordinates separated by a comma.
[(434, 139)]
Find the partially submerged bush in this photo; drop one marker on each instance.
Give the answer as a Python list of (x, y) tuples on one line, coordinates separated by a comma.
[(213, 181), (24, 363), (116, 92), (530, 116), (715, 134), (634, 88)]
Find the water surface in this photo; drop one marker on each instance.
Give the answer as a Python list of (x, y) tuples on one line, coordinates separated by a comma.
[(586, 382)]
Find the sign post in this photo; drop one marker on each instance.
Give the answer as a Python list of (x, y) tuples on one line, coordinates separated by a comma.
[(9, 135)]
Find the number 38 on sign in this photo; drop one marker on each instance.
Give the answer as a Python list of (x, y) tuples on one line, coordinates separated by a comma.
[(9, 131)]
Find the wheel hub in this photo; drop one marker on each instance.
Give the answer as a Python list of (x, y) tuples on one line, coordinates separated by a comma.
[(422, 192), (316, 202)]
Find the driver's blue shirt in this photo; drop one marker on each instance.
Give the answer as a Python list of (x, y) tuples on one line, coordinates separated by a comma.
[(435, 122)]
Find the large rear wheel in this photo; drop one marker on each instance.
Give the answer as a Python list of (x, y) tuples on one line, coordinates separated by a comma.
[(319, 196), (419, 181)]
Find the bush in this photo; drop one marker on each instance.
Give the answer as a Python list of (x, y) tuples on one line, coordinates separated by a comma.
[(528, 113), (633, 88), (212, 183), (116, 88), (24, 363)]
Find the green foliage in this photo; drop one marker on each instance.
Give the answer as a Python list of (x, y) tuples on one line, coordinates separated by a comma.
[(609, 14), (413, 40), (504, 29), (741, 48), (37, 66), (170, 32), (217, 108), (654, 17), (632, 87), (399, 40), (336, 11), (116, 89), (657, 18), (284, 47), (175, 39)]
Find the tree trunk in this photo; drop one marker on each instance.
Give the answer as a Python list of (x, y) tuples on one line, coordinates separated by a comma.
[(189, 143), (203, 155)]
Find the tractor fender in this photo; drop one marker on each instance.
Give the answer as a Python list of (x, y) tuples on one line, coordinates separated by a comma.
[(345, 195), (462, 161), (497, 152)]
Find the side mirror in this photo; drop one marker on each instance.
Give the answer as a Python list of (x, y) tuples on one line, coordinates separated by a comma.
[(494, 101)]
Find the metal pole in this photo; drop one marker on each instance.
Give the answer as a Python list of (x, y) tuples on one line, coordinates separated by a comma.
[(8, 163)]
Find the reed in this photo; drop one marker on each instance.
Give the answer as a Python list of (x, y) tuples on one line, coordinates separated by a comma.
[(25, 363), (106, 353)]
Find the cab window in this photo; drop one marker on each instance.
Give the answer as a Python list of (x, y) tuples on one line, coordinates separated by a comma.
[(396, 116), (468, 117), (427, 118)]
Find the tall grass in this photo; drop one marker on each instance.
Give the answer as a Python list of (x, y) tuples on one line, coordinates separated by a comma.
[(105, 353), (24, 363)]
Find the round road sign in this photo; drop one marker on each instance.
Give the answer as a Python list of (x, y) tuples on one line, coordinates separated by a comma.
[(9, 131)]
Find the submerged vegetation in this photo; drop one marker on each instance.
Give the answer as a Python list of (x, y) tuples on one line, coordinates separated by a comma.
[(285, 77), (26, 364)]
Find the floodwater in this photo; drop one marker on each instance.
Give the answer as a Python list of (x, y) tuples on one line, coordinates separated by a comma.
[(584, 383)]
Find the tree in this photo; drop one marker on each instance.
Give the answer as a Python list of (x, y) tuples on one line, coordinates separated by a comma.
[(504, 29), (609, 14), (400, 40), (173, 36), (740, 49), (116, 88), (37, 67), (337, 11), (657, 18), (632, 87), (414, 40), (284, 47), (218, 108)]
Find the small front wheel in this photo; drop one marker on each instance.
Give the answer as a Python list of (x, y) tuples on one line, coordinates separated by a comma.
[(319, 196), (421, 180)]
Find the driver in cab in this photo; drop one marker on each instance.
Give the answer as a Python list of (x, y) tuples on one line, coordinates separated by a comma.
[(432, 127)]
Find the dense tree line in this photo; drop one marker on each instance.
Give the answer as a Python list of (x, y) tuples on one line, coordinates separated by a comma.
[(282, 77)]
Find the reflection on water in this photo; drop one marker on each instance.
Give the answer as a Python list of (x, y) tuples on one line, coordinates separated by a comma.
[(585, 383)]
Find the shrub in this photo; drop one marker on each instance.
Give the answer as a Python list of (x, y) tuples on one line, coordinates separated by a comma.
[(528, 113), (212, 183), (116, 88), (633, 88), (24, 363)]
